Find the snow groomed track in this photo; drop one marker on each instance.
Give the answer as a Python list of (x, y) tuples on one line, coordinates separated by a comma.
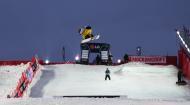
[(134, 80), (134, 83)]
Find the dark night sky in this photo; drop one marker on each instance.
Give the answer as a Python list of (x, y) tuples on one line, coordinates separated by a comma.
[(42, 27)]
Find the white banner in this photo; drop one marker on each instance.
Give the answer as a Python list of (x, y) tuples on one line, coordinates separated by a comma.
[(148, 59)]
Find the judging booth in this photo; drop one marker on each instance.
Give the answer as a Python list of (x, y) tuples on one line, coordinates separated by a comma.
[(102, 48)]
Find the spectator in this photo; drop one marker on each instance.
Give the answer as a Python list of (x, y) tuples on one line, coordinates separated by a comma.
[(98, 59), (110, 59)]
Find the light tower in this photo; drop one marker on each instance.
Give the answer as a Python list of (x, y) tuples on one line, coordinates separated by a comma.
[(63, 53)]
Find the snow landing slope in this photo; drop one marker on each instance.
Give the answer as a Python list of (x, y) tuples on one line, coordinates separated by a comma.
[(132, 80)]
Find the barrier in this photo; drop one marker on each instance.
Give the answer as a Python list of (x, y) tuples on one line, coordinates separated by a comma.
[(91, 96), (184, 62), (17, 62), (155, 60), (171, 60), (25, 79), (14, 62), (54, 63)]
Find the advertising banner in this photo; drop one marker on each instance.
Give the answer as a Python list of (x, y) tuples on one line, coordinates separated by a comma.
[(148, 59)]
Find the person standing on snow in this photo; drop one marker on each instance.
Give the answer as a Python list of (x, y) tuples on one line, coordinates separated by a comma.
[(107, 72), (179, 75)]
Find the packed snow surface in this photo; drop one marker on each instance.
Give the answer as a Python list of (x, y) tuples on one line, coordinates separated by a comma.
[(9, 77), (132, 80), (136, 83)]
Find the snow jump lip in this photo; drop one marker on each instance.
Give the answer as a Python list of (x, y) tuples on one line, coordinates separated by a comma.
[(90, 96)]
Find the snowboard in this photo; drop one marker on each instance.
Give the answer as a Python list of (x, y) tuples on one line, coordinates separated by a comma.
[(90, 39), (181, 83)]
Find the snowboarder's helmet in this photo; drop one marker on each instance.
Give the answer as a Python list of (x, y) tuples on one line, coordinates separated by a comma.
[(88, 27)]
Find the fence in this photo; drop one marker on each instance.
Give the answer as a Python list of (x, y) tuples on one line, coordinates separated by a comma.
[(184, 62), (155, 60)]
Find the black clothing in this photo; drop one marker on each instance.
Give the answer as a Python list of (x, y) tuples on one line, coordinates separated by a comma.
[(98, 60), (108, 76), (107, 72), (179, 75)]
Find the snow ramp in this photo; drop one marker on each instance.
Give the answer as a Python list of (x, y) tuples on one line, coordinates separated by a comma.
[(132, 80)]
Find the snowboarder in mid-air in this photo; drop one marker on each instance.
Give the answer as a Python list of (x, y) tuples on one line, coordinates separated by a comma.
[(87, 35), (107, 72), (86, 32)]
